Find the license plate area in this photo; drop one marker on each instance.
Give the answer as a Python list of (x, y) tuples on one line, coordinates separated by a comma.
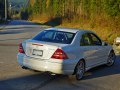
[(37, 52)]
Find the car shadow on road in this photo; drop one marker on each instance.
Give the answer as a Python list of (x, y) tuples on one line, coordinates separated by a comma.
[(103, 70), (38, 80)]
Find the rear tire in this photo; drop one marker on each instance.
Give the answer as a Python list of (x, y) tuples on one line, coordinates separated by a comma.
[(111, 59), (80, 69)]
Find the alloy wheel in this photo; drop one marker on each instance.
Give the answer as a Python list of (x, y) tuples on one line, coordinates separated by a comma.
[(111, 59), (80, 69)]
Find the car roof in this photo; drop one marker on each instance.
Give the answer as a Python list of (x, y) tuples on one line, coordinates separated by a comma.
[(71, 30)]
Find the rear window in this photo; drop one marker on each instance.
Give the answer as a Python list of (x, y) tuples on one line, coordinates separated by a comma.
[(55, 36)]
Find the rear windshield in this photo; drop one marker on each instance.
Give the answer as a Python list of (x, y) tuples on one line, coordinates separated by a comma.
[(55, 36)]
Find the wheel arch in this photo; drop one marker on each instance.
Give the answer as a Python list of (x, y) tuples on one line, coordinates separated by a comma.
[(111, 51)]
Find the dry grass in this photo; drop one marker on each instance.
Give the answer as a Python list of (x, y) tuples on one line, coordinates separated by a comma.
[(106, 33), (106, 28), (39, 18)]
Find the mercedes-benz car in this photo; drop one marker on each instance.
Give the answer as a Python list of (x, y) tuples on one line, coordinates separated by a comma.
[(65, 51)]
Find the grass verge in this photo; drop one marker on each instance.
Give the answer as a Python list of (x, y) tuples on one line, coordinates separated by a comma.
[(103, 27)]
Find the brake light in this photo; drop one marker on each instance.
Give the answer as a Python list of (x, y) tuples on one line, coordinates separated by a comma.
[(21, 50), (59, 54)]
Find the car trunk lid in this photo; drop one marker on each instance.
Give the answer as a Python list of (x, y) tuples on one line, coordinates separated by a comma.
[(41, 50)]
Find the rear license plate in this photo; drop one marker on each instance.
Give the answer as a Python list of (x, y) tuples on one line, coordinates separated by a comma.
[(37, 52)]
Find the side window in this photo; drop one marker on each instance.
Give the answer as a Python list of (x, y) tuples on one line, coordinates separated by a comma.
[(95, 40), (85, 40)]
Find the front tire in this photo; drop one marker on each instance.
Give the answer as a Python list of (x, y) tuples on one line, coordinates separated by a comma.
[(111, 59), (80, 69)]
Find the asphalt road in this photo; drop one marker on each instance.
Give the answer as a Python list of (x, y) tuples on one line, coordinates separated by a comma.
[(12, 77)]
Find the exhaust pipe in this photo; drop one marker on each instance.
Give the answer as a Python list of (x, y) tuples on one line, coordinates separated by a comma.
[(24, 67)]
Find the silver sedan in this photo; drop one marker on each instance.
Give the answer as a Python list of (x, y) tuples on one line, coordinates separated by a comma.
[(65, 51)]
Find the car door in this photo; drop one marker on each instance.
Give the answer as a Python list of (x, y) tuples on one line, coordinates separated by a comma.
[(100, 51), (88, 51)]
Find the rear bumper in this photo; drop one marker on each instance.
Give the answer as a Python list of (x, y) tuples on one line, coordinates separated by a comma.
[(44, 65)]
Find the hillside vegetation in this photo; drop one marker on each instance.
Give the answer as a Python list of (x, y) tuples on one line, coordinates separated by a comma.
[(101, 16)]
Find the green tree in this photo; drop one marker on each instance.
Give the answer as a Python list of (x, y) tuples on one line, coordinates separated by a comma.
[(43, 3), (37, 7), (112, 7)]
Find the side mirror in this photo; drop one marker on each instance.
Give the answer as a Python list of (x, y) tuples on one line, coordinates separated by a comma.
[(104, 44)]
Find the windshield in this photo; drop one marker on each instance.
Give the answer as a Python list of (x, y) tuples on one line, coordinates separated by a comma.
[(55, 36)]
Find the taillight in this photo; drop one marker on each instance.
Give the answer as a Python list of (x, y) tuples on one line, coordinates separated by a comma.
[(21, 50), (59, 54)]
